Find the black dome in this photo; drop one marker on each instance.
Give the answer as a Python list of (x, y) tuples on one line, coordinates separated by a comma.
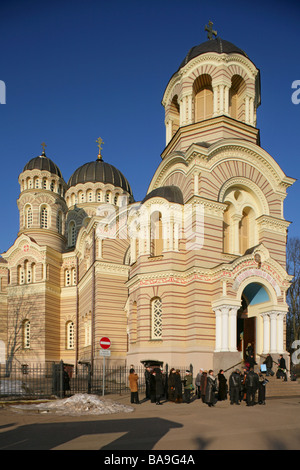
[(217, 45), (43, 163), (99, 171), (170, 193)]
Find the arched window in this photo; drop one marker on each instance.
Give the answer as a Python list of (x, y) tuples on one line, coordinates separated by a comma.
[(203, 93), (99, 195), (108, 196), (21, 275), (236, 98), (36, 182), (156, 318), (52, 186), (245, 233), (59, 223), (26, 334), (44, 217), (240, 231), (44, 183), (116, 199), (89, 195), (67, 277), (70, 335), (72, 234), (174, 115), (28, 216), (156, 235)]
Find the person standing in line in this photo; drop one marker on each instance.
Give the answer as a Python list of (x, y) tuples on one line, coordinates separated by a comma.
[(147, 382), (243, 394), (159, 389), (171, 385), (211, 388), (198, 383), (235, 386), (177, 387), (222, 388), (203, 383), (251, 383), (133, 384), (262, 389), (188, 386)]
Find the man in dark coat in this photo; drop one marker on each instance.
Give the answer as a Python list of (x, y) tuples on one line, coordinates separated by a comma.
[(235, 386), (222, 388), (159, 388), (177, 387), (203, 383), (282, 368), (147, 381), (269, 365), (211, 388), (251, 383)]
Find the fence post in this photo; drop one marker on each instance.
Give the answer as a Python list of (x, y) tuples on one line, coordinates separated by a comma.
[(89, 378)]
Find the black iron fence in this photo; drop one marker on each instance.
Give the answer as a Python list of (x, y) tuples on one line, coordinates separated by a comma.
[(36, 381)]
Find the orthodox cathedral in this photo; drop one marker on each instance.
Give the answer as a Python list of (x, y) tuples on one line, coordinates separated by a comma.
[(191, 274)]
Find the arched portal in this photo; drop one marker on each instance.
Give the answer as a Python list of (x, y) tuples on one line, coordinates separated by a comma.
[(253, 295)]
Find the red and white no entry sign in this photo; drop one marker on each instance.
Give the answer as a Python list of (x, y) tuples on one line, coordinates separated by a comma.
[(105, 343)]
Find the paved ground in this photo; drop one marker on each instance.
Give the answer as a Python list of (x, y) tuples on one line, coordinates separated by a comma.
[(151, 427)]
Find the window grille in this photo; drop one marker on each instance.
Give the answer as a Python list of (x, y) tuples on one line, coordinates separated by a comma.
[(26, 334), (156, 311)]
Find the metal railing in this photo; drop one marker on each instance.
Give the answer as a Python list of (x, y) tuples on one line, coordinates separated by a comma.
[(35, 381)]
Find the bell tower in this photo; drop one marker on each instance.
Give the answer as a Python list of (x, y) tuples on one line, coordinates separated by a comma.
[(213, 95)]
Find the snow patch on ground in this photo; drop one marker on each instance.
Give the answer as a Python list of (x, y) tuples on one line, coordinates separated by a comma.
[(77, 405)]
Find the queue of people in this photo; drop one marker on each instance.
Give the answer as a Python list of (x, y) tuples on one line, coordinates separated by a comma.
[(241, 386)]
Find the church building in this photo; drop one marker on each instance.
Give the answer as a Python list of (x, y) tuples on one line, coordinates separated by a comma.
[(191, 274)]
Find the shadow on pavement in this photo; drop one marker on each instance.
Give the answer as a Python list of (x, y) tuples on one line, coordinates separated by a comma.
[(138, 434)]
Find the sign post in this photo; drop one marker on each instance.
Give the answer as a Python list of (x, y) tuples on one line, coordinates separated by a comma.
[(104, 352)]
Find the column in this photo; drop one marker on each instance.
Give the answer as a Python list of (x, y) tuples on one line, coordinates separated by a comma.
[(273, 336), (266, 333), (168, 131), (218, 330), (280, 342), (190, 109), (225, 328), (221, 87), (226, 99), (232, 329), (216, 96), (247, 117), (251, 111)]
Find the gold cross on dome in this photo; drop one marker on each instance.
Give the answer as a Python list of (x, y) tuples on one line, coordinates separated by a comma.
[(43, 146), (210, 31), (100, 143)]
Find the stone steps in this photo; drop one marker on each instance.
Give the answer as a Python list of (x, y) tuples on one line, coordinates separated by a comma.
[(278, 388)]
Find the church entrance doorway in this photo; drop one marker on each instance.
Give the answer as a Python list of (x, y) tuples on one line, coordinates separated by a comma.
[(252, 295)]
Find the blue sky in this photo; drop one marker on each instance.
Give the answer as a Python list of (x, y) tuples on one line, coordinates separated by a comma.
[(75, 70)]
